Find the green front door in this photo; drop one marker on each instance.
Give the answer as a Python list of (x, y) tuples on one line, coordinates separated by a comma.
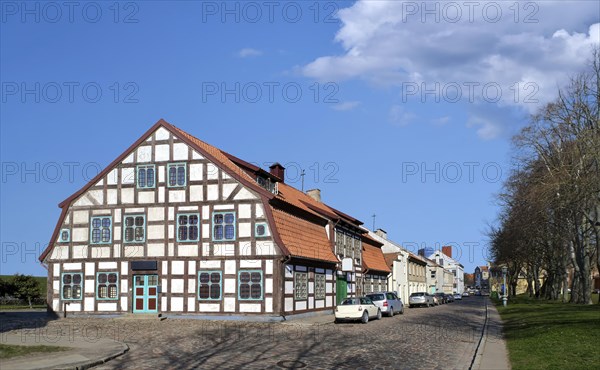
[(341, 289), (145, 293)]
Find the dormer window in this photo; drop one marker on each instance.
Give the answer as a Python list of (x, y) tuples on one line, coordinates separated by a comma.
[(267, 183)]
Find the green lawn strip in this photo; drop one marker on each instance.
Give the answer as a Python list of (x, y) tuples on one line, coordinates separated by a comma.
[(9, 350), (551, 335)]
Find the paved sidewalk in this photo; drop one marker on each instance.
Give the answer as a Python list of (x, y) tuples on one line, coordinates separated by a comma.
[(492, 353), (83, 352)]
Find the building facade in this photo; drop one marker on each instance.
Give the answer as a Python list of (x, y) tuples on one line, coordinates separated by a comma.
[(444, 258), (175, 225)]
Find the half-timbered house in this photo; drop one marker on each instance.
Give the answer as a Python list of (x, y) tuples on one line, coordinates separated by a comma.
[(175, 225)]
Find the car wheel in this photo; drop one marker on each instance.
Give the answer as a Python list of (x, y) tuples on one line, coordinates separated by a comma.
[(391, 312), (365, 318), (378, 314), (336, 321), (402, 310)]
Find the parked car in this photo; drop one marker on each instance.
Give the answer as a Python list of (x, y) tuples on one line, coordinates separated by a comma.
[(465, 294), (449, 298), (441, 297), (388, 302), (420, 299), (357, 308), (457, 297)]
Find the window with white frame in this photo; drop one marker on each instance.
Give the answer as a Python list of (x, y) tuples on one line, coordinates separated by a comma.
[(223, 226), (250, 285), (65, 236), (101, 230), (176, 174), (146, 176), (188, 227), (71, 286), (261, 229), (320, 287), (107, 285), (300, 285), (134, 228), (209, 285)]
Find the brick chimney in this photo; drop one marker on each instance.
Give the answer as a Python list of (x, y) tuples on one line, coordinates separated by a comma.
[(278, 170), (447, 250), (315, 194), (381, 233)]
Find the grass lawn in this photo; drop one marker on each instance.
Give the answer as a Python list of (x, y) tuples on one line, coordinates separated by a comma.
[(8, 350), (549, 335), (20, 307)]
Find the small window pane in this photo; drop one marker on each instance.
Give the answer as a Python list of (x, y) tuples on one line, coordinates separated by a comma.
[(193, 233), (183, 219), (244, 291), (229, 232), (112, 278), (204, 277), (204, 292), (102, 278), (150, 177), (218, 232), (215, 291), (105, 235), (142, 178), (255, 291), (182, 233), (193, 220), (128, 221), (67, 279), (67, 292), (218, 219), (260, 230), (181, 175), (244, 277), (77, 291), (64, 236), (215, 277), (76, 279), (139, 221), (229, 218), (106, 222), (256, 278)]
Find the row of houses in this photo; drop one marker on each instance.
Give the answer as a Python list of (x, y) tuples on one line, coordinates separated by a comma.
[(175, 225)]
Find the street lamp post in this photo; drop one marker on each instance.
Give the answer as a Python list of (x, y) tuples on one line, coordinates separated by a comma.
[(505, 295)]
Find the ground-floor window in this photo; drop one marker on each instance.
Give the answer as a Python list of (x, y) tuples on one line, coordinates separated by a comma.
[(320, 287), (250, 284), (209, 285), (107, 285), (71, 286), (300, 285)]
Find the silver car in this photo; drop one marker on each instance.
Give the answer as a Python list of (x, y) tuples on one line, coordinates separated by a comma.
[(388, 302), (420, 299)]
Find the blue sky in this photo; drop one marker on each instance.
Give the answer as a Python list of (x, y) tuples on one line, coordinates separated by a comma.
[(364, 96)]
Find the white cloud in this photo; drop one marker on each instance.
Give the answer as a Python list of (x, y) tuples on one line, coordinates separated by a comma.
[(531, 51), (249, 52), (345, 106), (398, 116)]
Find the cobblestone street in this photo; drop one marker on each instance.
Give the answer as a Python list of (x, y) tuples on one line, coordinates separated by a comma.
[(441, 337)]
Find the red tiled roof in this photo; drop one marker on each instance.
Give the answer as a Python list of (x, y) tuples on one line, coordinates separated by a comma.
[(373, 258), (303, 238)]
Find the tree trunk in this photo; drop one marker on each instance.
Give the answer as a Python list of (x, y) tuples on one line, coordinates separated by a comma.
[(30, 305)]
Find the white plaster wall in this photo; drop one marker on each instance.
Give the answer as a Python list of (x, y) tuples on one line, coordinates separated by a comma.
[(177, 304), (249, 307)]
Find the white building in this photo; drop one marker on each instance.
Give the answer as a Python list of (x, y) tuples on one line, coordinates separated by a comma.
[(444, 258)]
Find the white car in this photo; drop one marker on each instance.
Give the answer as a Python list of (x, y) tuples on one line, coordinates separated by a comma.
[(457, 296), (357, 308)]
